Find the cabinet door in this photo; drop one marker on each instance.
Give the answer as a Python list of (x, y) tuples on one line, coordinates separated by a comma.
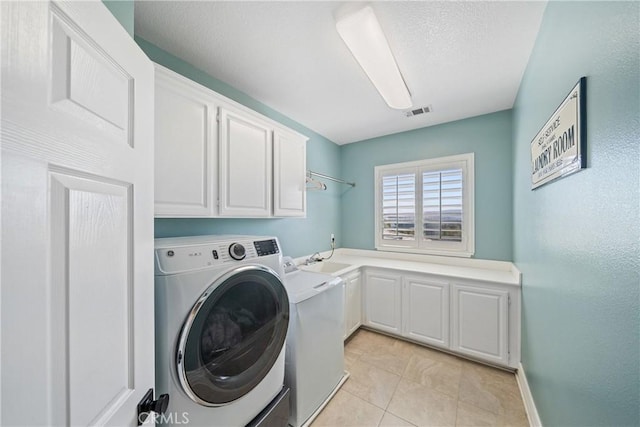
[(353, 303), (426, 310), (383, 301), (246, 149), (480, 323), (185, 148), (289, 173)]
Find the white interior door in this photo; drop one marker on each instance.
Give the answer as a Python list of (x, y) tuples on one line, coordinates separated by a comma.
[(77, 212)]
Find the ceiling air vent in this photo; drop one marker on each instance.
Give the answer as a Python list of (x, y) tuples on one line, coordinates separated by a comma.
[(418, 111)]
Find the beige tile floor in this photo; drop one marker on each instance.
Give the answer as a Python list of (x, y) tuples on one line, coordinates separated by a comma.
[(397, 383)]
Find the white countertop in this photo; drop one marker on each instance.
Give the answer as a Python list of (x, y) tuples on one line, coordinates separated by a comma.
[(475, 269)]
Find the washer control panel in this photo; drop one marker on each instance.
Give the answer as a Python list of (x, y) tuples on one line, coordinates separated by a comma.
[(179, 258), (237, 251), (266, 247)]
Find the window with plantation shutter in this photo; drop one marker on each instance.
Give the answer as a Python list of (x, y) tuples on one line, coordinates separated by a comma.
[(442, 205), (399, 207), (426, 206)]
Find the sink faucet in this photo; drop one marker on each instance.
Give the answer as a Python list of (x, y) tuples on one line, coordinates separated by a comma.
[(313, 259)]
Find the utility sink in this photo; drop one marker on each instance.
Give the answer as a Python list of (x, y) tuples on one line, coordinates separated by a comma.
[(327, 267)]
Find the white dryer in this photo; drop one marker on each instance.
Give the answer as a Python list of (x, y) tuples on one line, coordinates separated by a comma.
[(314, 368), (222, 314)]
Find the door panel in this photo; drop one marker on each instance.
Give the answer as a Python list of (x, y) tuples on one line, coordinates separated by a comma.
[(77, 216), (289, 172), (86, 81), (353, 303), (246, 152), (383, 301), (186, 148), (426, 307), (91, 220), (480, 323)]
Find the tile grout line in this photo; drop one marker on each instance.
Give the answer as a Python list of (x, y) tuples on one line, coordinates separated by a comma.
[(462, 370), (369, 403), (394, 393)]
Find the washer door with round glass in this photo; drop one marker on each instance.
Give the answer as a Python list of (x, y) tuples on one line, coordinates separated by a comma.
[(233, 335)]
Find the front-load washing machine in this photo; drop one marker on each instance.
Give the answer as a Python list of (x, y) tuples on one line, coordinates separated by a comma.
[(222, 314)]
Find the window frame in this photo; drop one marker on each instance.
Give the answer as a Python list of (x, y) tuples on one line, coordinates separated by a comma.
[(464, 248)]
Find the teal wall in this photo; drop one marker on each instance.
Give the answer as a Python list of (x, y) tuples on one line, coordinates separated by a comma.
[(123, 11), (488, 136), (298, 236), (576, 240)]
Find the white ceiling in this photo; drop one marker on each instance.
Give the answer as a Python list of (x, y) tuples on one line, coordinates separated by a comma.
[(464, 58)]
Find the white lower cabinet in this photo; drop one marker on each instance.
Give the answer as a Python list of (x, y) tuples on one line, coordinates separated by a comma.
[(352, 303), (425, 303), (481, 323), (382, 301), (476, 319)]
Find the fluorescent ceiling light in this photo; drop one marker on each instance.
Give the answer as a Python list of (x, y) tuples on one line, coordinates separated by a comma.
[(363, 36)]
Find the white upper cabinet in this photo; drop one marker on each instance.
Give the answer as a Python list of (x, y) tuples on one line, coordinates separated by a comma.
[(215, 157), (185, 147), (246, 162), (289, 172)]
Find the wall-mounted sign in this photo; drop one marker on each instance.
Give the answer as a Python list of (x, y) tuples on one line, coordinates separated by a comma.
[(559, 149)]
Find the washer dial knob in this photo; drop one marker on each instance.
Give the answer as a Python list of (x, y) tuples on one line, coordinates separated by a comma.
[(237, 251)]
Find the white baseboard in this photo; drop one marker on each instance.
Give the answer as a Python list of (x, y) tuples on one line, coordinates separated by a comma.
[(527, 398)]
